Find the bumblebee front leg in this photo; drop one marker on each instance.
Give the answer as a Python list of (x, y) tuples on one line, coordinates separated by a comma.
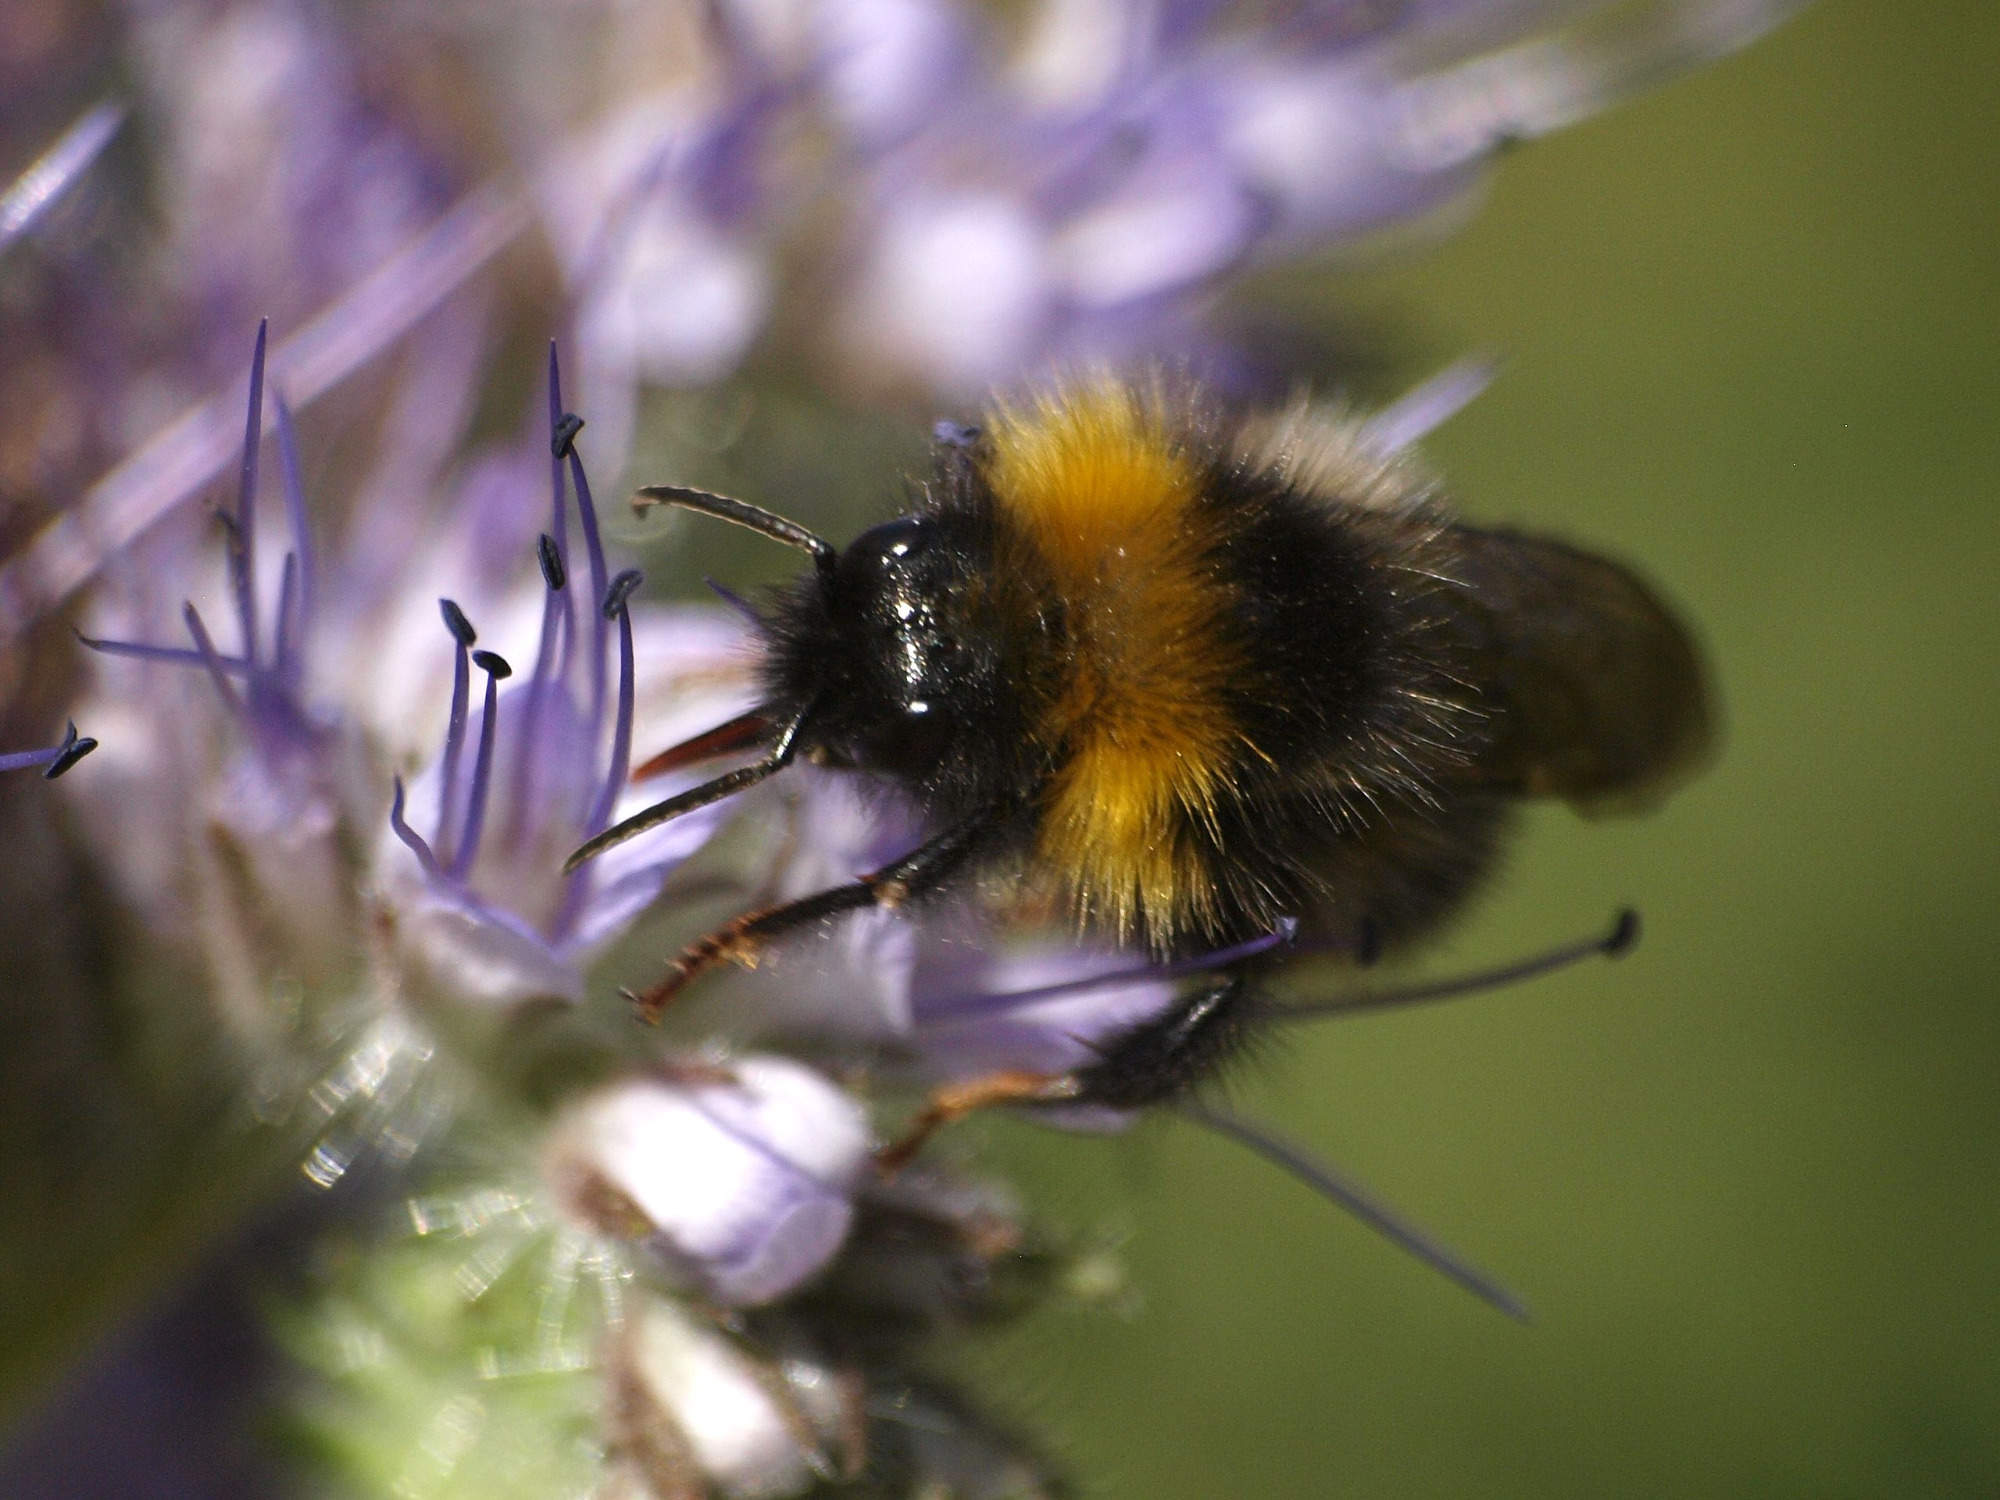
[(742, 941)]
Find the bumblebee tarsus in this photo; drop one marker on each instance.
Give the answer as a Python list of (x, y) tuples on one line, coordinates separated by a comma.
[(957, 1100), (742, 941)]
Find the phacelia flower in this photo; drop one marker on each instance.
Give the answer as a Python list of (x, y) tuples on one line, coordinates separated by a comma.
[(900, 195), (691, 1402), (466, 865), (740, 1175), (477, 883), (980, 210)]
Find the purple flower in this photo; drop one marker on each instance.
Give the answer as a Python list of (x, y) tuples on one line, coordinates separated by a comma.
[(741, 1176), (976, 214), (259, 784), (466, 865), (477, 886), (883, 192)]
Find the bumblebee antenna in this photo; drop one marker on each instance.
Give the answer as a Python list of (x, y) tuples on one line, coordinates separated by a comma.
[(742, 513), (1357, 1201), (782, 751), (1616, 943)]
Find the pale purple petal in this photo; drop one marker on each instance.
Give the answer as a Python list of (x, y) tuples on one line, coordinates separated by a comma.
[(741, 1176)]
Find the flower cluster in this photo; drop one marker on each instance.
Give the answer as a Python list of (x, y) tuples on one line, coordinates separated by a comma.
[(342, 771), (733, 1178)]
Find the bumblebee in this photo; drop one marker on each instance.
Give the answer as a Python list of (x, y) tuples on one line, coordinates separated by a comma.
[(1186, 677)]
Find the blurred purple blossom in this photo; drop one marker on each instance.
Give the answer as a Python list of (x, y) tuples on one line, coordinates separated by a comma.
[(978, 209), (893, 195)]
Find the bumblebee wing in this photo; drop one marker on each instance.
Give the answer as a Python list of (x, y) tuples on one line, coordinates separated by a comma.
[(1599, 693)]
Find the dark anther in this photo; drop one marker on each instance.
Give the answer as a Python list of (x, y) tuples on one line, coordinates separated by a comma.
[(552, 564), (492, 662), (620, 591), (566, 429), (455, 621), (1624, 934), (955, 434), (227, 520), (73, 749)]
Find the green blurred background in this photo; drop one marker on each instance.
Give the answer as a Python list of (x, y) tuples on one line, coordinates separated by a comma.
[(1749, 1179)]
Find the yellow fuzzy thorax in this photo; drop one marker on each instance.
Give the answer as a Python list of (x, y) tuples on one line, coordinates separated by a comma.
[(1101, 489)]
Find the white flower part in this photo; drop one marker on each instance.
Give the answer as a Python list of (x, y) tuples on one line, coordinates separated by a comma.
[(1183, 221), (1076, 50), (724, 1415), (479, 954), (664, 291), (955, 289), (679, 300), (887, 63), (1312, 139), (741, 1176), (392, 669), (1460, 113)]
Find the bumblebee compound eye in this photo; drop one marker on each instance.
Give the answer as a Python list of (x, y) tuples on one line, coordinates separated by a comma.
[(887, 570)]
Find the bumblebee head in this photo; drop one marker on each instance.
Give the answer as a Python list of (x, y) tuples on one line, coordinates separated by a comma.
[(893, 656), (881, 652)]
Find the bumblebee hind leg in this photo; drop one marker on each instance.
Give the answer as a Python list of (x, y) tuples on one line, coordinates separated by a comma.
[(1149, 1063)]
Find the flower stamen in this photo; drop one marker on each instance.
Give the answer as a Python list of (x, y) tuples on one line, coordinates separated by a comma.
[(495, 666), (243, 526), (413, 840), (269, 702), (210, 658), (617, 606), (57, 759), (463, 637)]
